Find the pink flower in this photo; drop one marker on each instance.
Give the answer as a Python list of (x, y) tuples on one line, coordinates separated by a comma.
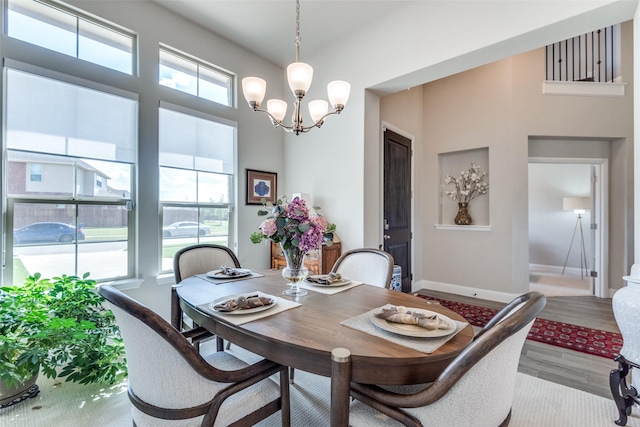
[(319, 222), (269, 227)]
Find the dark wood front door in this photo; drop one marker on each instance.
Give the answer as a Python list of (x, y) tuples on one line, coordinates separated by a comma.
[(397, 203)]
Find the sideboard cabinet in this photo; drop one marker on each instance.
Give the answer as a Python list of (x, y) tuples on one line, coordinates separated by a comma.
[(317, 262)]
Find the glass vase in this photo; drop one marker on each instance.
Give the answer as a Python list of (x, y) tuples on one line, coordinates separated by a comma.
[(463, 217), (295, 271)]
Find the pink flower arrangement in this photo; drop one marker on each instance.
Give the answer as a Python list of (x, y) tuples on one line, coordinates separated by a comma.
[(294, 227)]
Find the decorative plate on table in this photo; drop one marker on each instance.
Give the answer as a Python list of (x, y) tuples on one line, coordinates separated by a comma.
[(245, 310), (415, 330), (342, 282), (219, 274)]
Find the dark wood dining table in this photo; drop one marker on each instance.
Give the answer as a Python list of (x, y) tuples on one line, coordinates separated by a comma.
[(305, 336)]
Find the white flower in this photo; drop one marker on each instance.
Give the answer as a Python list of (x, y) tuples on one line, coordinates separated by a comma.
[(469, 186)]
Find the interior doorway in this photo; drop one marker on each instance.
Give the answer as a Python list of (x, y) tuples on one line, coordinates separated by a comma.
[(567, 245)]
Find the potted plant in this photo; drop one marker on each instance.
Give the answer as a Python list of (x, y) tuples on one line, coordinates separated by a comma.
[(58, 327)]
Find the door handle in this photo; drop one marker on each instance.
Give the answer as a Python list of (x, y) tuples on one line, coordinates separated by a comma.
[(386, 237)]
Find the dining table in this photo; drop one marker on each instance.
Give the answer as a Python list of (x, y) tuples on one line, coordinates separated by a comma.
[(302, 332)]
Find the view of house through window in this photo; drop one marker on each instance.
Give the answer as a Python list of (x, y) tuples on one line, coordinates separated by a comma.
[(70, 159), (196, 182)]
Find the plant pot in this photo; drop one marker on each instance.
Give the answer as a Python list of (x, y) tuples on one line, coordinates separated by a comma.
[(17, 393)]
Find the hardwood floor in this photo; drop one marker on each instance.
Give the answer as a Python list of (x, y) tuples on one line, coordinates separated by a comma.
[(551, 363)]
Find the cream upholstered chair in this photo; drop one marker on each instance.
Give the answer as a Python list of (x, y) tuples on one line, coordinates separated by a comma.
[(370, 266), (476, 389), (171, 384), (187, 262)]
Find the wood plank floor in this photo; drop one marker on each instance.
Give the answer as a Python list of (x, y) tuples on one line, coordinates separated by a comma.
[(568, 367)]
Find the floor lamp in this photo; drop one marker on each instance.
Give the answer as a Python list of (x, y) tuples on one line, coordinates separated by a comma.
[(579, 205)]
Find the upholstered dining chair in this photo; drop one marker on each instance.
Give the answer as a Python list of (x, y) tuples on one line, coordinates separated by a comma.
[(371, 266), (171, 384), (476, 389), (187, 262)]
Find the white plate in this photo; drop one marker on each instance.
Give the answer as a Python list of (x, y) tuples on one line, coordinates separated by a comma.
[(332, 285), (247, 310), (415, 330), (218, 274)]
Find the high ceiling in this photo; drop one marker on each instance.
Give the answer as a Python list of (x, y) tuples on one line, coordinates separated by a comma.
[(267, 27)]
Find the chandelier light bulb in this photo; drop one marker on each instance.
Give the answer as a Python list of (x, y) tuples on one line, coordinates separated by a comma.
[(338, 92), (299, 76), (254, 89), (277, 108), (318, 109)]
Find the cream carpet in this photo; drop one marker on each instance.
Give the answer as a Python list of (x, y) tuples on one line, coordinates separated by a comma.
[(538, 403)]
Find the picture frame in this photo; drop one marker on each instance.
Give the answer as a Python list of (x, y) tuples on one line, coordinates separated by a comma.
[(261, 185)]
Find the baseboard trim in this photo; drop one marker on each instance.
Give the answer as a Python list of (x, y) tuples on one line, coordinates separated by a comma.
[(486, 294), (556, 269)]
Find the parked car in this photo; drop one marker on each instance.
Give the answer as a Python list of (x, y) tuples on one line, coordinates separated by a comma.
[(45, 232), (185, 229)]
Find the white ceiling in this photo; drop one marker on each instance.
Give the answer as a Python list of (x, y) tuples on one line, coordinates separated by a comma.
[(267, 27)]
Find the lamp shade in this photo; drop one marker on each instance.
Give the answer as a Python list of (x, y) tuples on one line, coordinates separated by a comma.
[(576, 203), (318, 109), (338, 92), (299, 76), (277, 108), (254, 89)]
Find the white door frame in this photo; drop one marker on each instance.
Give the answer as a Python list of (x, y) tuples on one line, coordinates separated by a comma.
[(599, 216)]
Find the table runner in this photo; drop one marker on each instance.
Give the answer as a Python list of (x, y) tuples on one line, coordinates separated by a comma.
[(227, 279), (329, 290), (281, 305), (363, 323)]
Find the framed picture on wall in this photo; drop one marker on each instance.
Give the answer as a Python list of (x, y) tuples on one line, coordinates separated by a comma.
[(261, 185)]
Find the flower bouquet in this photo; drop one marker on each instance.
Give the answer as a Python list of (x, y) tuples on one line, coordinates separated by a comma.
[(298, 231)]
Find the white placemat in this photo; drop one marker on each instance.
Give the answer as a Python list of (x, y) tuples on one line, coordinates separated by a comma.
[(329, 290), (227, 279), (281, 305), (363, 323)]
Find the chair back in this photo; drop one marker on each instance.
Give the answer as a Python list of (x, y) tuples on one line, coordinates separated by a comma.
[(477, 387), (162, 365), (202, 258), (370, 266), (171, 384)]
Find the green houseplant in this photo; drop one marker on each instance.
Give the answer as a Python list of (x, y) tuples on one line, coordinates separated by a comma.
[(58, 327)]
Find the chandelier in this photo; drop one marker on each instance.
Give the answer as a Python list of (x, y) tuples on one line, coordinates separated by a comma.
[(299, 76)]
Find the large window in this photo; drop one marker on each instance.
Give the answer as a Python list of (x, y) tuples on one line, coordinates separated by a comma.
[(184, 73), (70, 159), (197, 158), (53, 26)]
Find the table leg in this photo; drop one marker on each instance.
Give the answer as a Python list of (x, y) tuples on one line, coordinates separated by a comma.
[(340, 386)]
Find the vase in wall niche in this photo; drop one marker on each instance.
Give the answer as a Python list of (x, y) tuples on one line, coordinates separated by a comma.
[(295, 271), (463, 217)]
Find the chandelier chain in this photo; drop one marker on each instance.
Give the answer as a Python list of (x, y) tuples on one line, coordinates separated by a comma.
[(297, 30)]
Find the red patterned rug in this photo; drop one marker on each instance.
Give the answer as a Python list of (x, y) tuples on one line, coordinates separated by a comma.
[(574, 337)]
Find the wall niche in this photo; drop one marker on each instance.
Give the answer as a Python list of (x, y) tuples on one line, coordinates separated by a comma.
[(453, 163)]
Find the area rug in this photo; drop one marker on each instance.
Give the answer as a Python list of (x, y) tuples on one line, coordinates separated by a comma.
[(585, 340)]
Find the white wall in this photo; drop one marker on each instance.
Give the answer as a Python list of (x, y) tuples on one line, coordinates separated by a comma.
[(551, 229)]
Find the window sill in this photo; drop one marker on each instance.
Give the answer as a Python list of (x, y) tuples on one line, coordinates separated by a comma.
[(583, 88), (463, 227)]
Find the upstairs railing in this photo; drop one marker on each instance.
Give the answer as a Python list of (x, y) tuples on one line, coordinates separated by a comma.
[(592, 57)]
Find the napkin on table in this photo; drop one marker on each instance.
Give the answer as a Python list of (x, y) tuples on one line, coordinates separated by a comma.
[(243, 302), (325, 279), (231, 271), (400, 314)]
